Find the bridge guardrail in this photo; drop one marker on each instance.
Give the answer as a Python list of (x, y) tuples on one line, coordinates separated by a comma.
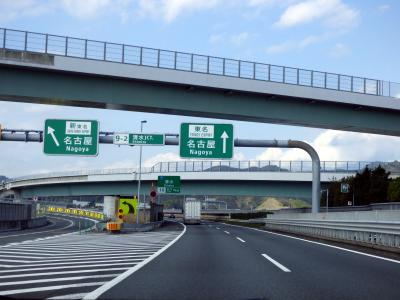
[(386, 234), (166, 59), (216, 166)]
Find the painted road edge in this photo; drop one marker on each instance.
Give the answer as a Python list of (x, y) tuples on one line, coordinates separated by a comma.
[(319, 243), (101, 290)]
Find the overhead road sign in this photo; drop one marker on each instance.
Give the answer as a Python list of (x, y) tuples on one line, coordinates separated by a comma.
[(71, 137), (210, 141), (169, 184), (143, 139)]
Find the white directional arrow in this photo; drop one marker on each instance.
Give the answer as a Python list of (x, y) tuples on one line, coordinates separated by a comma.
[(51, 132), (224, 137)]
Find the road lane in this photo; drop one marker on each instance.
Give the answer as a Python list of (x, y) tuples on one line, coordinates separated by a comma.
[(204, 264), (208, 263)]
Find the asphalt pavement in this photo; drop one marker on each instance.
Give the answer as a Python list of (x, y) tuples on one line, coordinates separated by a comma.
[(217, 261), (57, 225)]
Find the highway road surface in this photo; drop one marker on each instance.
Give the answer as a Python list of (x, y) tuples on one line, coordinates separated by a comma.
[(71, 265), (216, 261), (57, 225)]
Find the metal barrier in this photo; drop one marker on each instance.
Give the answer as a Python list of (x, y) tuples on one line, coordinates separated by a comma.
[(120, 53), (382, 234)]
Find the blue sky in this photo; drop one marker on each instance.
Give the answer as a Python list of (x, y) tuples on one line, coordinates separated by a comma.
[(343, 36)]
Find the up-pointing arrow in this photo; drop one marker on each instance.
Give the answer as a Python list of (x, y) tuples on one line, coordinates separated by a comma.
[(224, 137), (51, 131)]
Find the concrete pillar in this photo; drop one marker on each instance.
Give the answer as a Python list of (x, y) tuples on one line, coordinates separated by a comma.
[(110, 206)]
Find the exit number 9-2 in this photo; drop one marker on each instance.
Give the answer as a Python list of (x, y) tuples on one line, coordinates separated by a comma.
[(121, 139)]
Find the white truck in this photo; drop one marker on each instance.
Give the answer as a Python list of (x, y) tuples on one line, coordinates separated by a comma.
[(191, 211)]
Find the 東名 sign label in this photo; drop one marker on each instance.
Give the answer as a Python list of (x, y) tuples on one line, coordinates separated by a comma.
[(210, 141), (169, 184), (146, 139), (71, 137)]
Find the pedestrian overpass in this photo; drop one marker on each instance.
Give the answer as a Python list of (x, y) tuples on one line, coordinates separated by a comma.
[(238, 178), (52, 69)]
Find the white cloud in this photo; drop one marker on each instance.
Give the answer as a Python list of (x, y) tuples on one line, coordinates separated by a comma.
[(239, 39), (346, 146), (216, 38), (162, 157), (41, 108), (86, 8), (296, 45), (169, 10), (340, 50), (12, 9), (334, 13), (384, 8)]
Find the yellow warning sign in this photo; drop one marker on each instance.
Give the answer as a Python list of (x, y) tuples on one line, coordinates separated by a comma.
[(127, 209)]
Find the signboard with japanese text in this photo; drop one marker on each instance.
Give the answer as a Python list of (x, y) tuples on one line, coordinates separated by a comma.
[(209, 141), (71, 137), (169, 184), (145, 139)]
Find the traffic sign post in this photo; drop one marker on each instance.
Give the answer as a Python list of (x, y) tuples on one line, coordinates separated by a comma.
[(142, 139), (71, 137), (209, 141), (169, 184)]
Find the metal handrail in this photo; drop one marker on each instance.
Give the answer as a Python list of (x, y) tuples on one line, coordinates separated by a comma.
[(11, 39), (216, 166)]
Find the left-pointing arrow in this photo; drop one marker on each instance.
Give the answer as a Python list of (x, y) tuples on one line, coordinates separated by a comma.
[(51, 132)]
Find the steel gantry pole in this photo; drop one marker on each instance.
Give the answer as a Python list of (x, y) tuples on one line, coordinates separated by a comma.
[(140, 174)]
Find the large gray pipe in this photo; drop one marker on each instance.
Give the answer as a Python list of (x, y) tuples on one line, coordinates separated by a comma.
[(316, 169)]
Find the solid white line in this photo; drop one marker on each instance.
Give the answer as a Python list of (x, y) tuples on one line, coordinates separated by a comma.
[(56, 279), (62, 273), (241, 240), (66, 256), (64, 267), (49, 288), (78, 262), (282, 267), (227, 232), (67, 297), (43, 253), (98, 292), (321, 244)]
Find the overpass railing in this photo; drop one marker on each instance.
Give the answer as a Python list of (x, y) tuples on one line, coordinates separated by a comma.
[(166, 59), (217, 166)]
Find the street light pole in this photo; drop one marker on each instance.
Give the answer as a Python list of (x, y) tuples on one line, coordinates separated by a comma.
[(140, 173)]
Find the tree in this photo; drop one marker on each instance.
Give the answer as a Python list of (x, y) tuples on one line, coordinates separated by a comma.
[(394, 190)]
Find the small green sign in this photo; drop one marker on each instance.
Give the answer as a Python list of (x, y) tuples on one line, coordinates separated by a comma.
[(209, 141), (71, 137), (344, 188), (146, 139), (169, 184)]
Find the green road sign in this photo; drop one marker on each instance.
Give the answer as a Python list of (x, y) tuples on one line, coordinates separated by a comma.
[(146, 139), (344, 188), (210, 141), (169, 184), (71, 137)]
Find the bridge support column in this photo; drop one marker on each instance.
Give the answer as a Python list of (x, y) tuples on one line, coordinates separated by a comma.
[(110, 206)]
